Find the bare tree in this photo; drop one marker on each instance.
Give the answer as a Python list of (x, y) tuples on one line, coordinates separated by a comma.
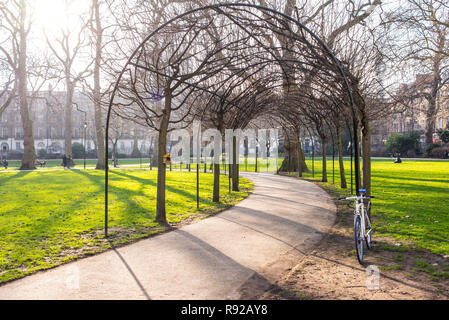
[(8, 91), (96, 94), (18, 24), (67, 47), (426, 26)]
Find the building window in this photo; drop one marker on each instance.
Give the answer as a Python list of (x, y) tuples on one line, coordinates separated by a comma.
[(4, 133), (18, 146), (18, 133), (41, 132), (395, 127), (5, 147)]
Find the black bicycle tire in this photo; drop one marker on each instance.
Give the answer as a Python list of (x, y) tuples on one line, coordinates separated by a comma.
[(357, 229)]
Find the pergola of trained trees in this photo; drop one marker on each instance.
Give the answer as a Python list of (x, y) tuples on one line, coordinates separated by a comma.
[(260, 62)]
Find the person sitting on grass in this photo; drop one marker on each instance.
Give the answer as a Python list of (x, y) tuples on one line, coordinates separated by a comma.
[(5, 163), (398, 158)]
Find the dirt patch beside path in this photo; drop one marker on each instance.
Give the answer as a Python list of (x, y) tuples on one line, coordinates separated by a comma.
[(331, 270)]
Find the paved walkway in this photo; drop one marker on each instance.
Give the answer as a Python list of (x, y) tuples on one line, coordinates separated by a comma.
[(238, 252)]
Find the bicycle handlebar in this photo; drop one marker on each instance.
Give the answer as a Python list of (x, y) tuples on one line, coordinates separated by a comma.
[(353, 198)]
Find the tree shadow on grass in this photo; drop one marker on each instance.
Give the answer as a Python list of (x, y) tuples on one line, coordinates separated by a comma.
[(124, 196), (191, 196), (6, 176)]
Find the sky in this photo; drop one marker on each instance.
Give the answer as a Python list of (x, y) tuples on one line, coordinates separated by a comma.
[(52, 17), (52, 14)]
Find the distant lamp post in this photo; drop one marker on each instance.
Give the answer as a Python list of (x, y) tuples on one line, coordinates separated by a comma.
[(84, 144)]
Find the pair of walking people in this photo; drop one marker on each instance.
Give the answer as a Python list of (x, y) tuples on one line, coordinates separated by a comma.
[(67, 162)]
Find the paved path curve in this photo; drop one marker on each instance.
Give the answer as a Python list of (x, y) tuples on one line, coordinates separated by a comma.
[(238, 253)]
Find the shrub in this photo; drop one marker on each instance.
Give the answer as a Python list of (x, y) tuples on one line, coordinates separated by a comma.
[(430, 147), (411, 154), (42, 153), (77, 150), (403, 143), (439, 152), (444, 134)]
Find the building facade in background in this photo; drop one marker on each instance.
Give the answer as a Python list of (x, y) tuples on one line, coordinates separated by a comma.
[(410, 114), (47, 114)]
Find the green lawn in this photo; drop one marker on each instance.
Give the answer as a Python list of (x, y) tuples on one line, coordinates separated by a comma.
[(263, 165), (79, 163), (412, 199), (48, 218)]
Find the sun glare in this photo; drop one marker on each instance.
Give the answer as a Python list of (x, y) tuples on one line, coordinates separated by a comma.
[(50, 15)]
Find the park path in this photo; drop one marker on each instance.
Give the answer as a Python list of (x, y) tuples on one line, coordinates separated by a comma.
[(236, 254)]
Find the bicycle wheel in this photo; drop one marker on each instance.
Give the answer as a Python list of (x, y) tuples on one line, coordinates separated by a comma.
[(358, 237)]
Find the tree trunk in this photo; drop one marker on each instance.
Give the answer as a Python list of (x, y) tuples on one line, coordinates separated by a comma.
[(366, 157), (114, 153), (323, 151), (430, 120), (216, 191), (294, 159), (29, 154), (97, 88), (299, 161), (68, 116), (235, 165), (343, 183), (155, 154), (136, 152), (161, 216)]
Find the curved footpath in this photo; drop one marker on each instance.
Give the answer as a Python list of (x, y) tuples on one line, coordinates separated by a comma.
[(238, 253)]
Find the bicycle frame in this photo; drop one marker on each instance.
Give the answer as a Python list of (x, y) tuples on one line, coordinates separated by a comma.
[(359, 211)]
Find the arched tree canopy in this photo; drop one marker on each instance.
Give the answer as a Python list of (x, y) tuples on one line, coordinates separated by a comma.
[(249, 59)]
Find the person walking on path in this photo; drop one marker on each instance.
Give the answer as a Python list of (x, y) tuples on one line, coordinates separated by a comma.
[(64, 161)]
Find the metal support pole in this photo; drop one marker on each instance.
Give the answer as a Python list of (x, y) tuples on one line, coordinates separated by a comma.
[(197, 187), (198, 156), (313, 159), (85, 128)]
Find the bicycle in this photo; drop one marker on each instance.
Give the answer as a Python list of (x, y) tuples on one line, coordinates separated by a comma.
[(362, 223)]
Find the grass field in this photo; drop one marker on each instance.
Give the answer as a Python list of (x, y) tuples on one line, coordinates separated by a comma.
[(412, 199), (48, 218), (264, 165), (79, 163)]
